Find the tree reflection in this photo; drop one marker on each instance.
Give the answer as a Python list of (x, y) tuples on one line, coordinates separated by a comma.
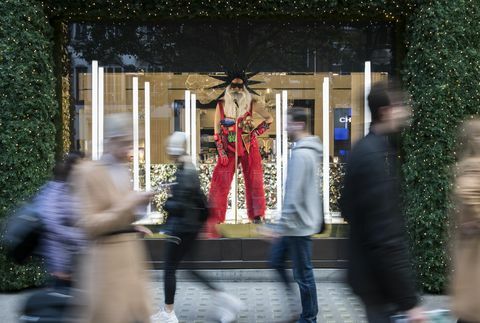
[(206, 46)]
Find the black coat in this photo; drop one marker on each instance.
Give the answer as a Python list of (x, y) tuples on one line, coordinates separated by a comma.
[(187, 205), (379, 267)]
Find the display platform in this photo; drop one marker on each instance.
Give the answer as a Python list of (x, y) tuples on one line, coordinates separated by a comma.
[(243, 248)]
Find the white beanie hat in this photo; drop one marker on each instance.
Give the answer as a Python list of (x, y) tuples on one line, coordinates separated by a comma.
[(176, 144), (118, 125)]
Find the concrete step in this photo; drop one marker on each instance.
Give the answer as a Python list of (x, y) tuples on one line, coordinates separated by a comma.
[(252, 275)]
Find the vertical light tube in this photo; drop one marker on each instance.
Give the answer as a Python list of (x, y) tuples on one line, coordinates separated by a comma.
[(326, 147), (136, 179), (284, 137), (368, 85), (187, 118), (94, 110), (101, 109), (148, 185), (81, 128), (194, 129), (278, 150)]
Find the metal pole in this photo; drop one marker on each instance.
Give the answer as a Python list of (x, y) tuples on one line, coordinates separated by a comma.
[(236, 162)]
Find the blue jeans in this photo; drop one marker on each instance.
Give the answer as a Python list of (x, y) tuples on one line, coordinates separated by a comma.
[(299, 249)]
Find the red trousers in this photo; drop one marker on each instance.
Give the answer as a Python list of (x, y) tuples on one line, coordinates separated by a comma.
[(222, 179)]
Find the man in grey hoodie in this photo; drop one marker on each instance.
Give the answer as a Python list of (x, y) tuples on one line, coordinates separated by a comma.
[(302, 214)]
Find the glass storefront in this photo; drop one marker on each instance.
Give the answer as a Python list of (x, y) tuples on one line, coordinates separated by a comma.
[(164, 73)]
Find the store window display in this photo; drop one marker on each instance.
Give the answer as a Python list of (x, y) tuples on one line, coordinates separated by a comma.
[(236, 141), (238, 150)]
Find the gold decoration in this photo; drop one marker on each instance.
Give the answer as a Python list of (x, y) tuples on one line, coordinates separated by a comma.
[(201, 85)]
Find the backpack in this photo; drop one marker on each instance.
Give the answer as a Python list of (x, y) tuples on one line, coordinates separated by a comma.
[(22, 234), (52, 305)]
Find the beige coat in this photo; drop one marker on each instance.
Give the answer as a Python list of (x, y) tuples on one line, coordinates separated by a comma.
[(114, 271), (466, 252)]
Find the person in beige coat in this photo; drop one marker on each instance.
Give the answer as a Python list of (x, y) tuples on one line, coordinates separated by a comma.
[(465, 282), (114, 270)]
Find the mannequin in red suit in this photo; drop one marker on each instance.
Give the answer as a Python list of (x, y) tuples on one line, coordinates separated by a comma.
[(237, 101)]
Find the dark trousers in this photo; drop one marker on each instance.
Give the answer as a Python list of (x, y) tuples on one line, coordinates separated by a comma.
[(379, 313), (176, 250), (299, 249)]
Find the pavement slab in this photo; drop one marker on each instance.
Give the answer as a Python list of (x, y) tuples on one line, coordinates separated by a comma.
[(266, 302)]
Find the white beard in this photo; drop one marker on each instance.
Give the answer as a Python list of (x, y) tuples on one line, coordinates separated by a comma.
[(244, 99)]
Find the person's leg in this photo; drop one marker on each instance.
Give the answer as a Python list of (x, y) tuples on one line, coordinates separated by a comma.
[(300, 250), (219, 188), (174, 254), (278, 257), (378, 314), (253, 175), (190, 247)]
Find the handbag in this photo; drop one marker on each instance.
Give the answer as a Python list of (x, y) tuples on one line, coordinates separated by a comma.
[(22, 234)]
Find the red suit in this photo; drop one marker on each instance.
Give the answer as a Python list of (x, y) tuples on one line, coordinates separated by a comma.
[(248, 156)]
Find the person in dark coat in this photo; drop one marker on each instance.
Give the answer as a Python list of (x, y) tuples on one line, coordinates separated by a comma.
[(379, 266)]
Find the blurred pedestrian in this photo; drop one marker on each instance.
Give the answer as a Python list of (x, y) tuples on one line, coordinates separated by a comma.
[(379, 266), (187, 212), (62, 240), (115, 266), (465, 284), (302, 213)]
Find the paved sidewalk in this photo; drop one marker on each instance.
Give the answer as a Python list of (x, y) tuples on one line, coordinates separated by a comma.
[(266, 302)]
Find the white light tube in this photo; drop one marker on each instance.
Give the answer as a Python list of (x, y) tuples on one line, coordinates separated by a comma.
[(101, 109), (194, 129), (326, 147), (136, 179), (148, 185), (368, 85), (94, 110), (187, 118), (278, 150), (285, 153)]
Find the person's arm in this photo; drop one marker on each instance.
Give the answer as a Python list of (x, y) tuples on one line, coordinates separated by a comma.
[(184, 191), (101, 216), (297, 170), (218, 136), (267, 119), (57, 234)]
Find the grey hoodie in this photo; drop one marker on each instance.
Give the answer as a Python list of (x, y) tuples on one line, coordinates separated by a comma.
[(302, 211)]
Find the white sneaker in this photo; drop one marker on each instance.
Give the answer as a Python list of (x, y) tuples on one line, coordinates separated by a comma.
[(226, 307), (163, 316)]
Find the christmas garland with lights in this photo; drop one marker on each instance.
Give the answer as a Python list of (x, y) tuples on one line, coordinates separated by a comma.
[(441, 71), (28, 108)]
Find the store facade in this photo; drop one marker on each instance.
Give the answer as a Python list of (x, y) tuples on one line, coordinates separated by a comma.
[(434, 52), (164, 75)]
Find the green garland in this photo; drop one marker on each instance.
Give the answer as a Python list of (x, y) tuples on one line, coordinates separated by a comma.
[(443, 77), (351, 10), (27, 110), (441, 71)]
